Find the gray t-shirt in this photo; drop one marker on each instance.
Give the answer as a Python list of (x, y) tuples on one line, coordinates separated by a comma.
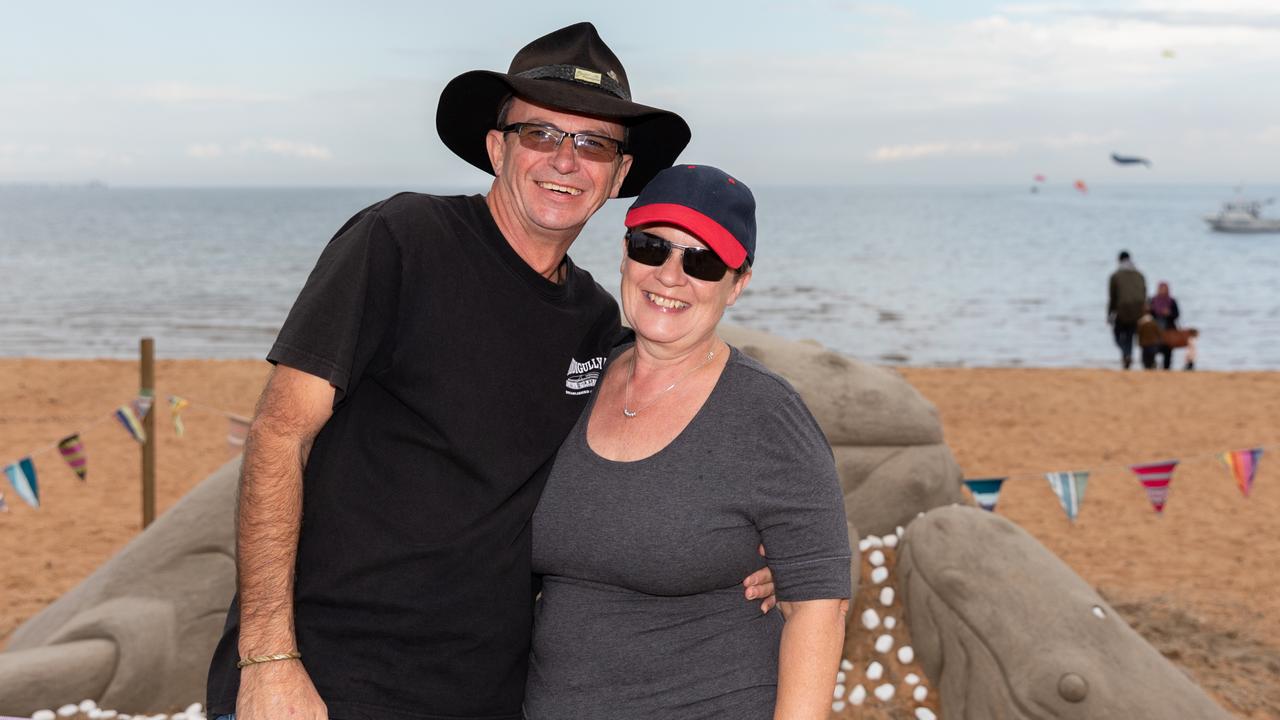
[(642, 613)]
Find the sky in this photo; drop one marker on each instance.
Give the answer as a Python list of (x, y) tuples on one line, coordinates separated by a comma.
[(800, 93)]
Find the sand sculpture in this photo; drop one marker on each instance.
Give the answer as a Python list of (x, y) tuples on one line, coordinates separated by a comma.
[(137, 633), (1005, 629)]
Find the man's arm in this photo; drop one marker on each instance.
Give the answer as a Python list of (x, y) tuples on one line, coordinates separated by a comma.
[(292, 410)]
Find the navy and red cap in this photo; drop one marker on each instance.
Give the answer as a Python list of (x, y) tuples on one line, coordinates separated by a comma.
[(705, 202)]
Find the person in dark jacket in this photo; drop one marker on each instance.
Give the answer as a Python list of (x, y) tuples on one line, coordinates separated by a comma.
[(1126, 298), (1164, 308)]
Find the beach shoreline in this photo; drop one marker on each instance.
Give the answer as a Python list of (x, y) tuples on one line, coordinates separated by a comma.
[(1201, 571)]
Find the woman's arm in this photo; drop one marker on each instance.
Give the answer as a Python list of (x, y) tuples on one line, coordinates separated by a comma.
[(809, 657)]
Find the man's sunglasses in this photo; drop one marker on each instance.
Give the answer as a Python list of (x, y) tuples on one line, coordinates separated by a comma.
[(698, 263), (547, 138)]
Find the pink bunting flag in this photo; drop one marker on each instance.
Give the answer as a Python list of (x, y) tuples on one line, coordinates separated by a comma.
[(237, 431), (1243, 465), (73, 452), (1155, 478)]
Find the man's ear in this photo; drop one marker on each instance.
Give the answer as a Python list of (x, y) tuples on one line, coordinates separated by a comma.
[(621, 175), (494, 143)]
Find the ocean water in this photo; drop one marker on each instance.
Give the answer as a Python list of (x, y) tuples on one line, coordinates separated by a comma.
[(950, 276)]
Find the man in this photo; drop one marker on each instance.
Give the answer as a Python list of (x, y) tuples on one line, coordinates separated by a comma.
[(419, 395), (1126, 298)]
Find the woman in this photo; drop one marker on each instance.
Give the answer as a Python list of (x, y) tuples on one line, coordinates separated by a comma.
[(1165, 311), (689, 456)]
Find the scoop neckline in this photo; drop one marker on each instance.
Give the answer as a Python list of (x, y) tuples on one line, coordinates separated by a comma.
[(716, 389)]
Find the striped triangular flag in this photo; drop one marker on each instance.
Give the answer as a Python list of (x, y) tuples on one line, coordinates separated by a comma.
[(73, 452), (986, 491), (237, 431), (129, 419), (1243, 465), (176, 406), (141, 406), (22, 475), (1069, 487), (1155, 478)]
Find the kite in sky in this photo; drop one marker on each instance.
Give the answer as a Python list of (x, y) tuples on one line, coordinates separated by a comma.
[(1119, 159)]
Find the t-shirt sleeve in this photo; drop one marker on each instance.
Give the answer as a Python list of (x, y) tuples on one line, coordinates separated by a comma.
[(341, 326), (799, 505)]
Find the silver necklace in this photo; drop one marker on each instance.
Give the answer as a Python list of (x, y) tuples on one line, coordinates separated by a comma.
[(626, 399)]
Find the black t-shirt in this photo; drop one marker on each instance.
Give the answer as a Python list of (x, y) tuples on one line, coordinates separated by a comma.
[(459, 370)]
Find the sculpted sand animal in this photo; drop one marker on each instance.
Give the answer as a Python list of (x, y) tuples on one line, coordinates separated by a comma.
[(1005, 629), (137, 633)]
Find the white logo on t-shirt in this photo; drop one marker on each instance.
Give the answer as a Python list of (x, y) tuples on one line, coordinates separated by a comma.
[(583, 376)]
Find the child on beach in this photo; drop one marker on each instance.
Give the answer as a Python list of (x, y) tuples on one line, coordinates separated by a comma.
[(1148, 338)]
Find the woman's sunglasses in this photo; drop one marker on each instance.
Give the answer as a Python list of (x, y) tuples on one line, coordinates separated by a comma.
[(698, 263)]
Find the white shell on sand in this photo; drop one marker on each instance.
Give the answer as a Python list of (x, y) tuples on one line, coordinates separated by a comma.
[(911, 679), (837, 706), (1099, 613), (920, 693), (875, 671), (906, 654), (857, 695), (885, 692), (840, 676), (94, 714), (86, 705), (879, 575), (925, 714), (109, 715), (864, 545), (870, 619), (886, 596), (839, 692), (876, 558), (890, 621), (68, 710), (194, 709), (874, 542), (884, 643), (891, 541), (846, 665), (43, 715)]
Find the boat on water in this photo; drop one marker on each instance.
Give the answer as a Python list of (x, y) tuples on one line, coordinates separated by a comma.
[(1243, 216)]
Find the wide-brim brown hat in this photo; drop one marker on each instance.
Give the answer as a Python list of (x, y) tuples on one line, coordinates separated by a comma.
[(570, 70)]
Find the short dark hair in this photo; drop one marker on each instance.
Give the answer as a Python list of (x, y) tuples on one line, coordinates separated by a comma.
[(1124, 255)]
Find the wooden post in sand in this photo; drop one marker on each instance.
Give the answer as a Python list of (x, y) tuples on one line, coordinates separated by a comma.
[(147, 390)]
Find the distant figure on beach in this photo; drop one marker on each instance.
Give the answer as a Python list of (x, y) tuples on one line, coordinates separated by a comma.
[(1164, 308), (440, 352), (1148, 339), (692, 452), (1126, 299)]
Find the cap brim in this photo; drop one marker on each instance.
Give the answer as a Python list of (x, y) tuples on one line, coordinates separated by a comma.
[(695, 223), (468, 109)]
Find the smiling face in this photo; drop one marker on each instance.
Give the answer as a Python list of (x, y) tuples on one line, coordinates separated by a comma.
[(550, 194), (667, 307)]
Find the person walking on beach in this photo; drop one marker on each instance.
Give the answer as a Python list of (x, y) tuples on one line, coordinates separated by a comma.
[(441, 350), (1164, 309), (1126, 298)]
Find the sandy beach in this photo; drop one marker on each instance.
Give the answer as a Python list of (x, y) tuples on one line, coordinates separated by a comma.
[(1200, 582)]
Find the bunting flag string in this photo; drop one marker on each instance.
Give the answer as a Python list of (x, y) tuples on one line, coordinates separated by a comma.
[(1069, 487), (128, 417), (1242, 464), (1155, 478), (22, 476), (237, 431), (986, 491), (72, 450)]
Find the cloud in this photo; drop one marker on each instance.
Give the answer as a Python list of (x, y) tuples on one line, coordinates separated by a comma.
[(205, 151), (1270, 136), (184, 93), (973, 148)]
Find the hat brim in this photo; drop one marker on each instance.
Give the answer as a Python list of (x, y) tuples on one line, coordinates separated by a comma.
[(469, 107)]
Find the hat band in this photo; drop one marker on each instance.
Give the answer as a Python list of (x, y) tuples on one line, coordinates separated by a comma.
[(582, 76)]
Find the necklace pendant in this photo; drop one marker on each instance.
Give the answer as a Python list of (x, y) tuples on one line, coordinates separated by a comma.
[(628, 413)]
